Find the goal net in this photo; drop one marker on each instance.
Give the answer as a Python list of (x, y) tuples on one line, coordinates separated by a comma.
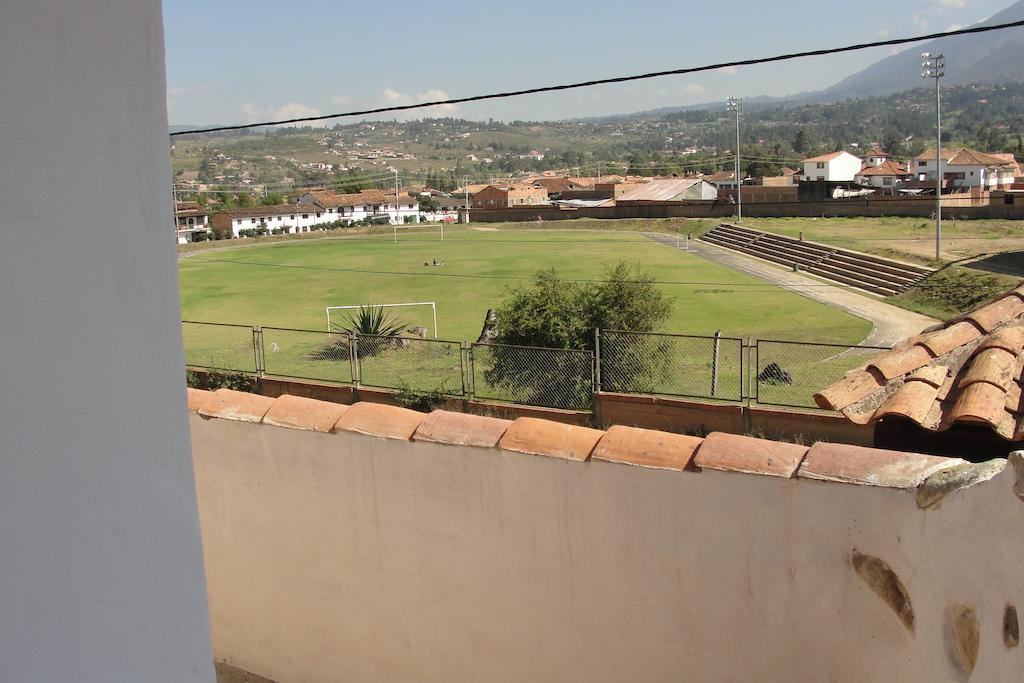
[(421, 315)]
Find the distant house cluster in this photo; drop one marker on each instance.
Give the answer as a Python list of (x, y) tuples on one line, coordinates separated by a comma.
[(961, 169)]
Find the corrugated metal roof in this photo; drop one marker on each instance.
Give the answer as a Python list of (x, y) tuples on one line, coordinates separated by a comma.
[(660, 190)]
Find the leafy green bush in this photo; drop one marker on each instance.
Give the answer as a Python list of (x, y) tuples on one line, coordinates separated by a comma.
[(212, 380), (423, 401)]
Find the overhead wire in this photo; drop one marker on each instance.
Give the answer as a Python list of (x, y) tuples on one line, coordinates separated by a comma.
[(618, 79)]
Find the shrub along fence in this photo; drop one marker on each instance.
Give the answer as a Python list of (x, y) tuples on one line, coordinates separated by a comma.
[(727, 369)]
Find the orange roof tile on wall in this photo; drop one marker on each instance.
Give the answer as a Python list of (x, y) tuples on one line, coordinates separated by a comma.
[(932, 374), (901, 361), (196, 399), (856, 385), (297, 412), (913, 400), (1010, 338), (542, 437), (236, 405), (647, 448), (994, 365), (871, 466), (735, 453), (378, 419), (998, 312), (949, 338), (461, 429), (979, 402)]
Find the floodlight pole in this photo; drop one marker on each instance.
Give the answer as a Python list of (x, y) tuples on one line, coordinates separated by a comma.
[(932, 67), (735, 104)]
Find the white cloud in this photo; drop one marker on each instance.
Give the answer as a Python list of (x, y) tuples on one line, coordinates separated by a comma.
[(394, 98), (694, 89), (728, 70), (883, 34), (662, 91), (340, 100), (919, 20), (292, 110), (952, 4), (954, 27)]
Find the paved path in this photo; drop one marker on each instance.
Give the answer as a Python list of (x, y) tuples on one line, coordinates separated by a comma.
[(891, 323)]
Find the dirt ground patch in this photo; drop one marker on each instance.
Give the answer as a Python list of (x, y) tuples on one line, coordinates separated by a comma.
[(230, 674)]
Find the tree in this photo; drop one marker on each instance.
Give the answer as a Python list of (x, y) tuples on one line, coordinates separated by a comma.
[(560, 314), (428, 204), (800, 142)]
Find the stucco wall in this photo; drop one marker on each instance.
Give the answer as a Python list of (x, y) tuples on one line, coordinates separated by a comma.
[(101, 575), (338, 556)]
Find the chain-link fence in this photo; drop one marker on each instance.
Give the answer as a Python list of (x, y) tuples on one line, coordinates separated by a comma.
[(306, 354), (769, 372), (789, 373), (669, 364), (552, 378), (219, 346), (412, 363)]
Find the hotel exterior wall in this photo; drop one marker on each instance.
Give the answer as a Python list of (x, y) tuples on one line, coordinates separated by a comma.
[(339, 556), (101, 574)]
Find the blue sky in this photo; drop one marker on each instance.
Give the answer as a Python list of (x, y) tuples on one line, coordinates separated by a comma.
[(237, 62)]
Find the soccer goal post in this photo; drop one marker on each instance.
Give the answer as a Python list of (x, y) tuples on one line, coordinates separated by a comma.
[(338, 309)]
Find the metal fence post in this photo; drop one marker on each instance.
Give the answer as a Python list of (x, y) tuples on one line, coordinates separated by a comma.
[(464, 363), (354, 355), (714, 363), (470, 372), (257, 349), (597, 360), (753, 367)]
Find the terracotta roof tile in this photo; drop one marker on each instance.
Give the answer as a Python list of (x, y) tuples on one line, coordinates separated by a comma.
[(461, 429), (949, 338), (853, 387), (378, 419), (978, 402), (647, 448), (998, 312), (871, 466), (935, 375), (196, 399), (236, 405), (541, 437), (914, 400), (1012, 402), (298, 412), (1010, 338), (734, 453), (995, 366), (946, 387), (901, 361)]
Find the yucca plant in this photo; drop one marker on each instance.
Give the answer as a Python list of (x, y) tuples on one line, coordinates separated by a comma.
[(370, 320)]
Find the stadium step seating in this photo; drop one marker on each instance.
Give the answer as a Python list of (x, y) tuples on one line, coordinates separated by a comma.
[(874, 274)]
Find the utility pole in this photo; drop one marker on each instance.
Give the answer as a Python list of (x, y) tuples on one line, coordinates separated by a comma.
[(932, 67), (396, 207), (465, 186), (735, 104)]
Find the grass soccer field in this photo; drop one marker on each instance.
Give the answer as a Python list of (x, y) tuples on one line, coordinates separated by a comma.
[(288, 284)]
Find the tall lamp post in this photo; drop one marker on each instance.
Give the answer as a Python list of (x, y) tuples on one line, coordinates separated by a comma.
[(932, 67), (735, 104)]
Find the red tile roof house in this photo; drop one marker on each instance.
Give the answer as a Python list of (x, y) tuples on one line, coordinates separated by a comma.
[(372, 542), (953, 389)]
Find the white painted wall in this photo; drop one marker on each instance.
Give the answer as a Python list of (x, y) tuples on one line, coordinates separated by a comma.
[(342, 557), (841, 169), (101, 574)]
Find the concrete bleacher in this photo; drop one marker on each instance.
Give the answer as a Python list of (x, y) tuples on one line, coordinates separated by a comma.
[(874, 274)]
